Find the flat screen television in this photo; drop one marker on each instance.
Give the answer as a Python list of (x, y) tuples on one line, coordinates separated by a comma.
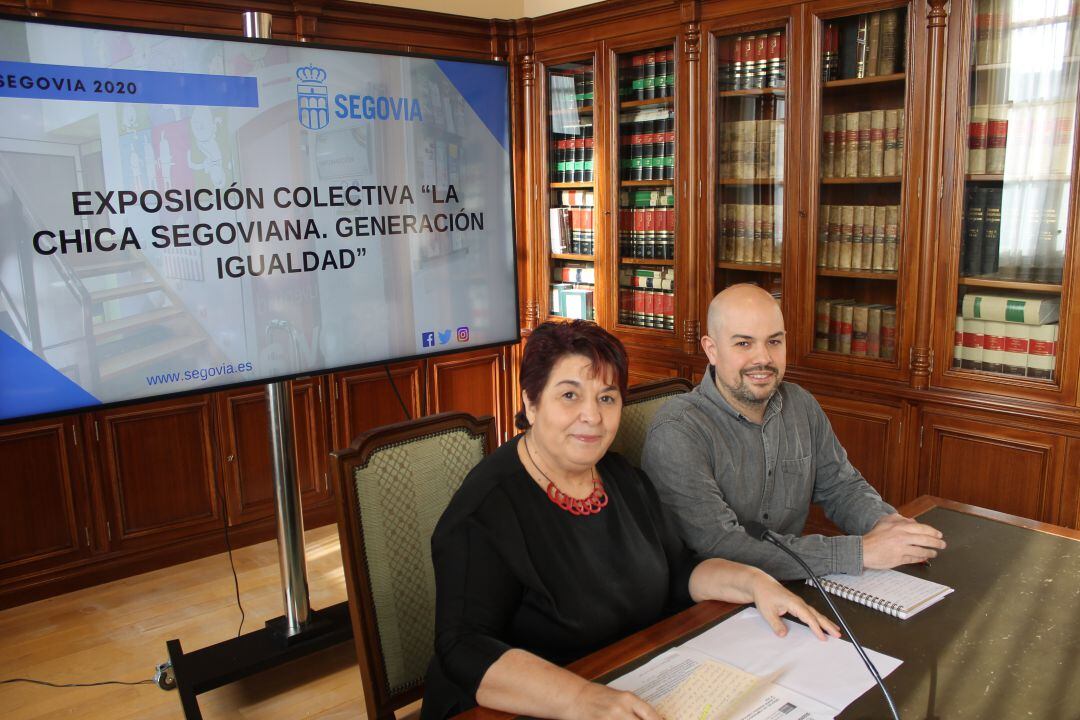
[(184, 213)]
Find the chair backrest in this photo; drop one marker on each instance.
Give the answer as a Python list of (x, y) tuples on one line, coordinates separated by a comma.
[(393, 484), (642, 402)]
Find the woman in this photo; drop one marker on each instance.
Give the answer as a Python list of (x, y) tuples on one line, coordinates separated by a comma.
[(553, 548)]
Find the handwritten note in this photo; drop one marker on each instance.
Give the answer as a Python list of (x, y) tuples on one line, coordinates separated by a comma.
[(708, 693)]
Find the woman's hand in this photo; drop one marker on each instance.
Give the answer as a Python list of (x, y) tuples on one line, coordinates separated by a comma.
[(603, 703), (774, 601)]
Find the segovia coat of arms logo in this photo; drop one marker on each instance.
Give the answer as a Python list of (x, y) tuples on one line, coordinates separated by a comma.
[(312, 98)]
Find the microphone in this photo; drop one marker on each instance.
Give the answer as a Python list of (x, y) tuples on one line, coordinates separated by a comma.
[(759, 532)]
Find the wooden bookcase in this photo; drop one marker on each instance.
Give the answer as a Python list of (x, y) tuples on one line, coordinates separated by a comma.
[(912, 423), (889, 407)]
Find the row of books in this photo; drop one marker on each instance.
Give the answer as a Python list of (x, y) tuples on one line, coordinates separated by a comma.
[(752, 61), (576, 273), (1014, 308), (570, 230), (647, 145), (647, 232), (646, 278), (991, 32), (858, 237), (750, 233), (864, 45), (572, 301), (647, 197), (443, 107), (863, 144), (1046, 137), (1005, 348), (752, 149), (979, 252), (858, 329), (581, 78), (647, 75), (439, 160), (572, 159), (647, 308)]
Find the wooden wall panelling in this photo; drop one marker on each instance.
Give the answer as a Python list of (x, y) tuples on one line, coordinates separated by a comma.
[(645, 368), (156, 467), (871, 432), (472, 382), (691, 51), (986, 462), (364, 399), (333, 22), (46, 521), (1069, 514), (244, 438)]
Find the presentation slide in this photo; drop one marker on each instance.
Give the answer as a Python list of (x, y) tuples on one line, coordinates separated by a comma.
[(181, 213)]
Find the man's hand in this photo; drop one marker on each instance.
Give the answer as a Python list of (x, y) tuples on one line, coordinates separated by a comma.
[(897, 540)]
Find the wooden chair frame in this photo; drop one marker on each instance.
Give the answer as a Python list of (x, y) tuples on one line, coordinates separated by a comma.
[(378, 699), (649, 390)]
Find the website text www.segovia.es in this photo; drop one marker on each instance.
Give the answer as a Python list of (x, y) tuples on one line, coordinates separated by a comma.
[(198, 374)]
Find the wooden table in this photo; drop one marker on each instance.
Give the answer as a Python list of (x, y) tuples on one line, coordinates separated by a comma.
[(1006, 644)]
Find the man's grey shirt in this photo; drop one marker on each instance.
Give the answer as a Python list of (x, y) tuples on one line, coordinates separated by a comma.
[(716, 470)]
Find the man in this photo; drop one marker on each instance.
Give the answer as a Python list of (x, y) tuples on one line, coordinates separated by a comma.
[(745, 446)]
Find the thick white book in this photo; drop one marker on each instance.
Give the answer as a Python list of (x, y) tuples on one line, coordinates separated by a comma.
[(889, 591)]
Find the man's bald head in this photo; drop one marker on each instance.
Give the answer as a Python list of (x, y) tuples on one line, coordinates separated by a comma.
[(740, 301)]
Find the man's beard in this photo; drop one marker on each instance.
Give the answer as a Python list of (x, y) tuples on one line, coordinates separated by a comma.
[(742, 391)]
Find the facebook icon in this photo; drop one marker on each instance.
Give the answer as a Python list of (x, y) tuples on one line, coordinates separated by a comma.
[(427, 339)]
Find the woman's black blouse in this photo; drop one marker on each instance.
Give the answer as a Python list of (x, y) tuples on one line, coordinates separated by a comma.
[(513, 570)]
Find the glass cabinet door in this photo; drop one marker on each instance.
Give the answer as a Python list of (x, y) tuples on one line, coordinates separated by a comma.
[(859, 232), (1023, 72), (571, 225), (646, 167), (751, 111)]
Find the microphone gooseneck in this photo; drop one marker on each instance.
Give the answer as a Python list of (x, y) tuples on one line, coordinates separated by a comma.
[(759, 532)]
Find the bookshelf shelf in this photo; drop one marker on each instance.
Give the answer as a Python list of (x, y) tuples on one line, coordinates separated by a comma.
[(886, 180), (862, 82), (751, 267), (646, 183), (750, 181), (753, 92), (859, 274), (581, 110), (573, 257), (645, 330), (571, 185), (646, 261), (654, 102), (1010, 285), (833, 355), (989, 177)]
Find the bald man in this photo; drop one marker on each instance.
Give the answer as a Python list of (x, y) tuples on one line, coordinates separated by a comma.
[(744, 445)]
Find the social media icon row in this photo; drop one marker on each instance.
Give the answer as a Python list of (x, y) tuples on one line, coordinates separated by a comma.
[(427, 339)]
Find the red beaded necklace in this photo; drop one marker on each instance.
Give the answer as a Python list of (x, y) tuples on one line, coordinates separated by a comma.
[(594, 503)]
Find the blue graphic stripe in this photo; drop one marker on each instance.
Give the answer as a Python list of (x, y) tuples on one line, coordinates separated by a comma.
[(70, 82), (484, 87), (30, 386)]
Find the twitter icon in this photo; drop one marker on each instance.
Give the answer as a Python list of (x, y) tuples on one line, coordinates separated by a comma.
[(444, 337)]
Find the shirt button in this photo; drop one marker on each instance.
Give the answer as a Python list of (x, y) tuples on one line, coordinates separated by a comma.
[(765, 516)]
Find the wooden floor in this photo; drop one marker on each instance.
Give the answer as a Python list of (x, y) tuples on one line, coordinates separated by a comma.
[(118, 631)]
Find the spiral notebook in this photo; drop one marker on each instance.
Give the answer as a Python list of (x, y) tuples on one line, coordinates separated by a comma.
[(889, 591)]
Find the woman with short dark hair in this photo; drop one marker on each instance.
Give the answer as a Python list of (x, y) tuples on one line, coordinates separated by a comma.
[(554, 547)]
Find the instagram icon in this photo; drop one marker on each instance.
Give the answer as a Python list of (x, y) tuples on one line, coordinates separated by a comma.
[(463, 333)]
